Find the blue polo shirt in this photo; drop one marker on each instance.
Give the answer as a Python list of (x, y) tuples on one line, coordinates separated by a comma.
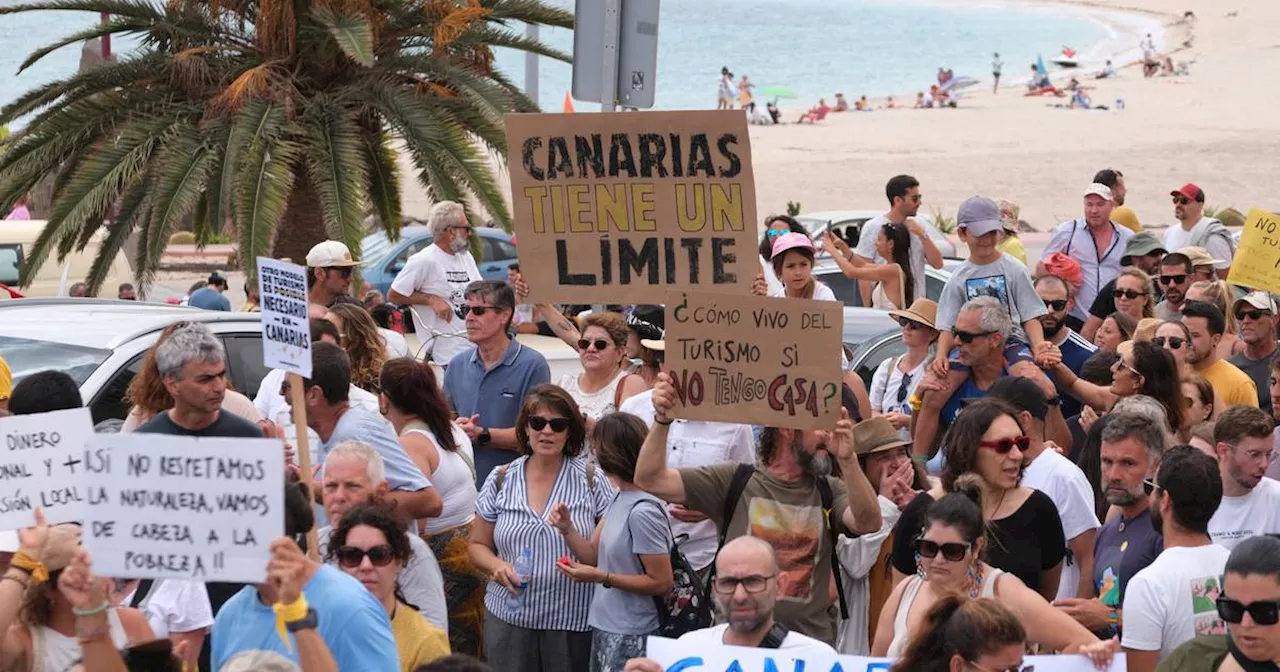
[(1075, 352), (209, 298), (495, 394)]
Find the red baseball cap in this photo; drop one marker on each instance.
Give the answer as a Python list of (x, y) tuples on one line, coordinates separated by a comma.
[(1191, 191)]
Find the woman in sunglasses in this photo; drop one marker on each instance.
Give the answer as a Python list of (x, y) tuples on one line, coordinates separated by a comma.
[(896, 379), (1027, 540), (1143, 368), (951, 549), (370, 544), (1132, 294), (1117, 328), (544, 506), (605, 381), (775, 226)]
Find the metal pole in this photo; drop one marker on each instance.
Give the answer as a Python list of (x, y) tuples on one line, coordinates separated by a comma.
[(531, 65), (612, 28), (106, 39)]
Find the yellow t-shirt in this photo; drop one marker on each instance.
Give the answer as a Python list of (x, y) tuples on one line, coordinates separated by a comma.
[(1012, 246), (1234, 386), (417, 641), (1126, 217), (6, 380)]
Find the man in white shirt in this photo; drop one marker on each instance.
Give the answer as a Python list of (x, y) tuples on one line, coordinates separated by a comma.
[(903, 192), (1250, 501), (1093, 240), (1172, 599), (745, 589), (1196, 230), (1049, 472), (432, 283), (694, 443)]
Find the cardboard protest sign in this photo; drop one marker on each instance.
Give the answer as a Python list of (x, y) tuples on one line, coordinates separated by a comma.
[(1257, 260), (174, 507), (286, 325), (43, 466), (619, 208), (675, 656), (755, 360)]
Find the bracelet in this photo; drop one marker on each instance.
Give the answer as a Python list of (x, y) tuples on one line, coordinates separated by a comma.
[(106, 604), (664, 424), (288, 613)]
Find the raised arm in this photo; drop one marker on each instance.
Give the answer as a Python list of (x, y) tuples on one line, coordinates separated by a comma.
[(932, 255), (1096, 396), (652, 472), (863, 513), (1046, 625)]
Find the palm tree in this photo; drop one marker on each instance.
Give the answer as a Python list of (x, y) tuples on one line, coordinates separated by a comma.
[(277, 115)]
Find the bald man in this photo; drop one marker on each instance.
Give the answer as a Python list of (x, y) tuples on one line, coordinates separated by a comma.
[(745, 588)]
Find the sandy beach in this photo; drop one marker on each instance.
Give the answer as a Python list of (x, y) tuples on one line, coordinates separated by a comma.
[(1216, 127)]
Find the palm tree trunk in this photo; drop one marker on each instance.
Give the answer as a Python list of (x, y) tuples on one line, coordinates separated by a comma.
[(303, 224)]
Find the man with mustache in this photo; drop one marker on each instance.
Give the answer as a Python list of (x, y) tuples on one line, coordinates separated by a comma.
[(1250, 501), (434, 280), (781, 501), (1196, 230), (1174, 279), (1058, 301)]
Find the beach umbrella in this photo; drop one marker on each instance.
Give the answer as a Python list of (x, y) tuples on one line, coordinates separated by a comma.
[(778, 92), (1040, 65)]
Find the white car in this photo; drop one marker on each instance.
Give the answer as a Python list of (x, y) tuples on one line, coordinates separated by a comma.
[(848, 225)]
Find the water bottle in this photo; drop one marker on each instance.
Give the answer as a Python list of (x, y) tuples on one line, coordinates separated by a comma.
[(523, 567)]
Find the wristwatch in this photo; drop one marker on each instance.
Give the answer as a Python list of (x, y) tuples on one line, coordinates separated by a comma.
[(484, 436), (606, 583), (308, 622)]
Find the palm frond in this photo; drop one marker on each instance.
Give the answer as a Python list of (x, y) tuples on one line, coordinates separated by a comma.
[(528, 11), (134, 9), (351, 31), (492, 36), (266, 179), (132, 208), (336, 170), (384, 182), (112, 27), (131, 72), (180, 174)]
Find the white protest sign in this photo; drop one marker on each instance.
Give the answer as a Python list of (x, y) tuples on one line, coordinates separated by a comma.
[(286, 326), (174, 507), (43, 466), (675, 656)]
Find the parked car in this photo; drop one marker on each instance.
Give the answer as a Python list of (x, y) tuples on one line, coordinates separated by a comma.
[(16, 241), (848, 225), (867, 355), (384, 259)]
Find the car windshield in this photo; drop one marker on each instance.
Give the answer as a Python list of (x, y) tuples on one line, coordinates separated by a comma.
[(374, 249), (812, 224), (26, 356)]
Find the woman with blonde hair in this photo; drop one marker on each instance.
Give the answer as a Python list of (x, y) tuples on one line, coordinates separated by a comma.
[(359, 336), (1132, 293), (1219, 293)]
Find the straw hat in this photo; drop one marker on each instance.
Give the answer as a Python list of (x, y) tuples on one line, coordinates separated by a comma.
[(923, 311), (1199, 256), (876, 435)]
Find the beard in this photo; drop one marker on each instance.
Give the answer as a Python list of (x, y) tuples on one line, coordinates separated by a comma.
[(1052, 327), (813, 464), (1126, 498), (458, 246)]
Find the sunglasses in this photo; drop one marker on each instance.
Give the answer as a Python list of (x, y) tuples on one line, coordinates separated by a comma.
[(902, 387), (600, 344), (345, 271), (967, 337), (1174, 342), (537, 423), (352, 557), (478, 310), (1056, 305), (909, 325), (1173, 279), (774, 233), (1181, 200), (1006, 446), (951, 552), (1127, 293), (1262, 613), (1254, 315)]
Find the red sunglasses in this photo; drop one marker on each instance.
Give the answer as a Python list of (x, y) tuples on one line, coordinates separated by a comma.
[(1005, 446)]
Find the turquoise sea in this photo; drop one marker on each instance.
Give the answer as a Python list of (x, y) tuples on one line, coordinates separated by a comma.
[(815, 47)]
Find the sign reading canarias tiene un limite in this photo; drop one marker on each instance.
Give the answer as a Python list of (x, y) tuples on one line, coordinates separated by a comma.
[(620, 208)]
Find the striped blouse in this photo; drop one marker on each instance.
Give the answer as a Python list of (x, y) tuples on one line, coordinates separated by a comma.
[(552, 600)]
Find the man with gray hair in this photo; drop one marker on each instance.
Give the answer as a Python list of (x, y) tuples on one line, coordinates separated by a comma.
[(193, 368), (433, 281), (981, 329), (354, 475), (1133, 441)]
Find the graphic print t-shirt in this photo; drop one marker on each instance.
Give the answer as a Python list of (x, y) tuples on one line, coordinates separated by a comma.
[(1004, 279), (788, 515), (1123, 548), (1239, 518), (1172, 600), (436, 272)]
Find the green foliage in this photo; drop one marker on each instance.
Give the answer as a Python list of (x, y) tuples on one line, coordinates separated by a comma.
[(793, 208), (182, 238), (257, 119), (944, 222)]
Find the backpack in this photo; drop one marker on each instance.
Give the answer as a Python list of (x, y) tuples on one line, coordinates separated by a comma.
[(737, 485), (680, 610)]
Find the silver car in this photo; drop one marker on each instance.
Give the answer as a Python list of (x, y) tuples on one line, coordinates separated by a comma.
[(848, 225)]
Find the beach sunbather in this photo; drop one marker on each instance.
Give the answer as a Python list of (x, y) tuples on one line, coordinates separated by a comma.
[(816, 113), (842, 105), (1107, 72)]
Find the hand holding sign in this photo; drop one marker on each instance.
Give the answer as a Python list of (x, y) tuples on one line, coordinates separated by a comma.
[(287, 570), (78, 584), (842, 439), (664, 399), (642, 665)]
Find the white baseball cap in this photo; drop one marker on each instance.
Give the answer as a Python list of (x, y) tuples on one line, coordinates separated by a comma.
[(330, 254), (1097, 189)]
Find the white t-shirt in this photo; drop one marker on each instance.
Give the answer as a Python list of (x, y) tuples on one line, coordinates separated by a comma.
[(175, 606), (1239, 518), (867, 250), (1176, 238), (393, 343), (1172, 600), (887, 381), (714, 636), (1067, 486), (436, 272)]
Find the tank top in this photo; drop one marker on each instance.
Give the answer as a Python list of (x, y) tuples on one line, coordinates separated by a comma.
[(453, 478), (881, 299), (900, 635), (56, 652), (594, 405)]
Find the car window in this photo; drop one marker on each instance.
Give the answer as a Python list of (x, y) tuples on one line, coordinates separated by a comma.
[(10, 264), (844, 287), (488, 250), (25, 356), (411, 249), (109, 402), (933, 287), (867, 362), (244, 363), (503, 249)]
